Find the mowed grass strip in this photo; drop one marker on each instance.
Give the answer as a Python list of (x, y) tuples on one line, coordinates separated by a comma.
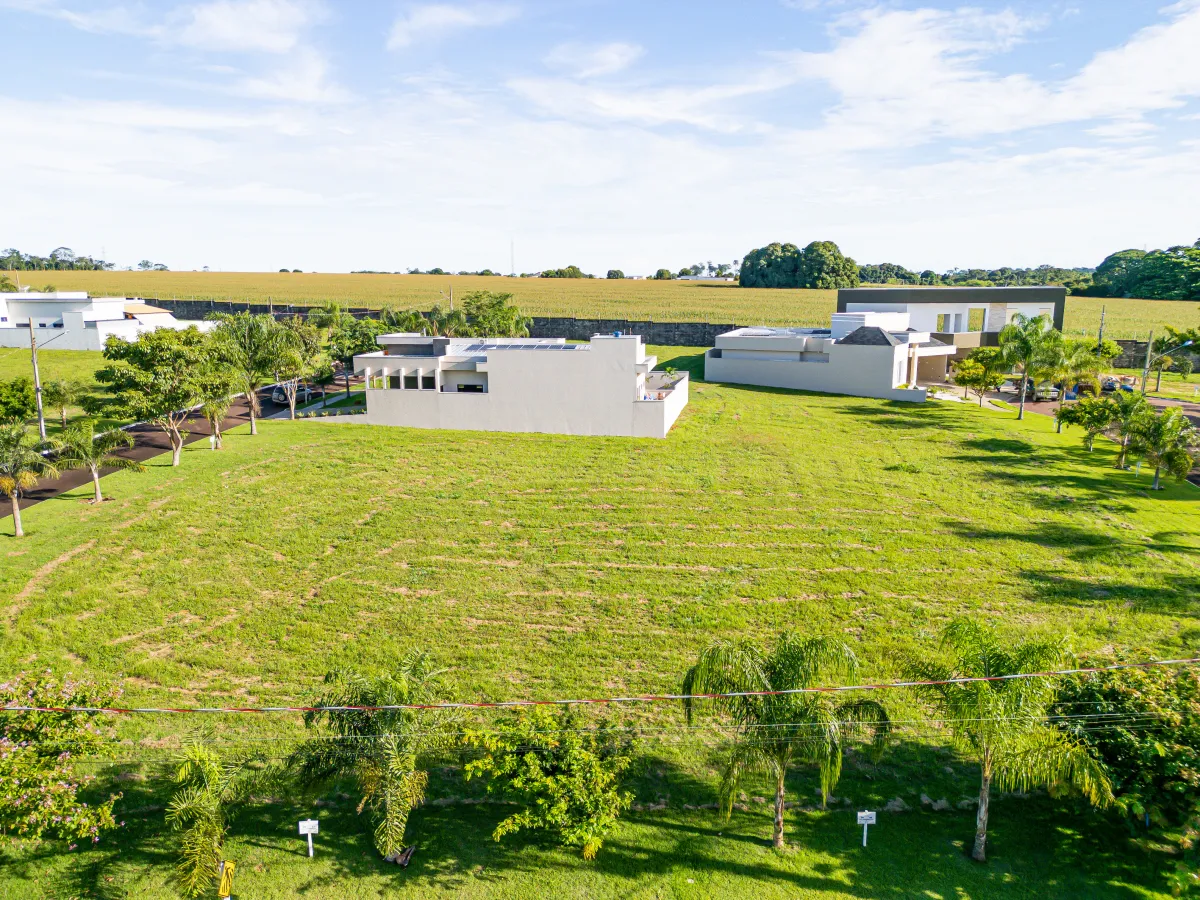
[(538, 566), (660, 301)]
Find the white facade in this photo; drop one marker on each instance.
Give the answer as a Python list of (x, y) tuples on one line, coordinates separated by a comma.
[(71, 320), (605, 387), (862, 354)]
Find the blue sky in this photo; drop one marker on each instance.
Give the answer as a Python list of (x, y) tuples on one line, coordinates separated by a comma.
[(255, 134)]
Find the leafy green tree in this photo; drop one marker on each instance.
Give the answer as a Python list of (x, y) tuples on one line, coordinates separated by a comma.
[(492, 314), (17, 400), (297, 355), (6, 285), (1184, 367), (21, 462), (776, 731), (350, 337), (1106, 351), (982, 371), (81, 448), (775, 265), (156, 378), (39, 786), (615, 274), (382, 749), (1003, 723), (568, 272), (1094, 415), (565, 778), (663, 275), (1071, 362), (62, 393), (1168, 441), (208, 791), (1025, 343), (819, 265), (249, 345), (406, 320), (1116, 272), (215, 400), (822, 266)]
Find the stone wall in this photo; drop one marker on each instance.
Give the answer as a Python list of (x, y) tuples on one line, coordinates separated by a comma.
[(667, 334)]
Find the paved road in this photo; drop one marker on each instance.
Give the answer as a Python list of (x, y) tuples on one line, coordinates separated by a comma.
[(149, 442)]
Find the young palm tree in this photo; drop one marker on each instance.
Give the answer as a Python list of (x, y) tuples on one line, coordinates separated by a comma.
[(20, 465), (246, 343), (1168, 440), (81, 448), (1003, 723), (1023, 343), (1074, 362), (773, 732), (1132, 408), (61, 393), (208, 791), (382, 749)]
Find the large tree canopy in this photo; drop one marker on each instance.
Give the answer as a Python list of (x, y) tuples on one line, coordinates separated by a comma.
[(819, 265)]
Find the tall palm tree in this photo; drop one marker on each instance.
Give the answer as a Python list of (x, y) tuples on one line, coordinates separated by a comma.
[(1167, 439), (1023, 343), (208, 791), (247, 343), (61, 393), (381, 749), (1073, 362), (81, 448), (773, 732), (20, 465), (1132, 408), (1003, 723)]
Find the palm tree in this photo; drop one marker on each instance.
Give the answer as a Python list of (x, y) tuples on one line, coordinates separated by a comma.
[(773, 732), (381, 749), (1132, 407), (20, 465), (1023, 343), (1003, 723), (246, 343), (1073, 362), (209, 790), (81, 448), (1167, 439), (61, 393)]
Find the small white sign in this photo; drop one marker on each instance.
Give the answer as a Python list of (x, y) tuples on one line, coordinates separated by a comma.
[(312, 826), (864, 818)]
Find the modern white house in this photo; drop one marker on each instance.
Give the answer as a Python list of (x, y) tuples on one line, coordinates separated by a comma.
[(863, 354), (604, 387), (74, 321)]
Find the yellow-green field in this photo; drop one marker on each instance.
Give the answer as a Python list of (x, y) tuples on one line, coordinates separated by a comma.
[(662, 301)]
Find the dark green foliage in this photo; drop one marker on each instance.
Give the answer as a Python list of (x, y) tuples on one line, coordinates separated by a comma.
[(663, 275), (38, 783), (568, 272), (819, 265), (1074, 280), (17, 400), (61, 258), (615, 274), (564, 775), (1171, 274), (1093, 414)]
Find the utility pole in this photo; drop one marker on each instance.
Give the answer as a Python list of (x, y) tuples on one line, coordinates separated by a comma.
[(37, 382), (1149, 350), (1100, 336)]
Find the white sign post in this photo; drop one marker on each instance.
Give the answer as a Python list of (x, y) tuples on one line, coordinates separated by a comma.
[(865, 818), (311, 827)]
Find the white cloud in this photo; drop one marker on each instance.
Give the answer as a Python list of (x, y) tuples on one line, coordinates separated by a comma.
[(433, 20), (270, 26), (303, 80), (590, 61)]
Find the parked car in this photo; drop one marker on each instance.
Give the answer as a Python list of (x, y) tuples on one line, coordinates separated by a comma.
[(304, 394), (1045, 392), (1109, 385)]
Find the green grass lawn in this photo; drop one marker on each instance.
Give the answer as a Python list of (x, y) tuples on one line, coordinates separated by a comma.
[(537, 566), (80, 365), (1173, 384)]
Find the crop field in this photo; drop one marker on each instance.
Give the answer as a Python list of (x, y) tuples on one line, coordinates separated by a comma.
[(662, 301), (538, 566)]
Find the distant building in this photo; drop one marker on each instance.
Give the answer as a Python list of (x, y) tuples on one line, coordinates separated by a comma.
[(74, 321), (967, 317), (605, 387), (711, 279), (862, 354)]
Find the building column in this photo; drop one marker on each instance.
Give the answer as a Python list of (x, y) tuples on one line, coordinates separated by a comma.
[(385, 373), (366, 378), (912, 368)]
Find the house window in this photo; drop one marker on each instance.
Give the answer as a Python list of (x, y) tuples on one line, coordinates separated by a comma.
[(470, 388), (410, 382), (58, 324), (41, 324), (394, 382), (428, 382), (975, 319)]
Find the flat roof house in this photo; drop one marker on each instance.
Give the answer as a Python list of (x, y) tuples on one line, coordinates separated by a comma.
[(75, 321), (604, 387), (862, 354), (967, 317)]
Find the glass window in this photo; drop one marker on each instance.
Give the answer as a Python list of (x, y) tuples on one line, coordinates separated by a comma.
[(410, 382), (428, 382)]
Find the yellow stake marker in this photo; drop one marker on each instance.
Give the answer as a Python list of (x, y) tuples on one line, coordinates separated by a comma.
[(226, 887)]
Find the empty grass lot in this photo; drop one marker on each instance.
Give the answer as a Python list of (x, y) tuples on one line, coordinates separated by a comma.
[(662, 301), (541, 566)]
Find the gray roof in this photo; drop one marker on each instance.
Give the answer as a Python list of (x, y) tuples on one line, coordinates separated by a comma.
[(870, 336)]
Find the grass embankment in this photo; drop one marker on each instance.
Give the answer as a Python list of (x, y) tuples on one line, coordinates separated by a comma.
[(661, 301), (543, 566)]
